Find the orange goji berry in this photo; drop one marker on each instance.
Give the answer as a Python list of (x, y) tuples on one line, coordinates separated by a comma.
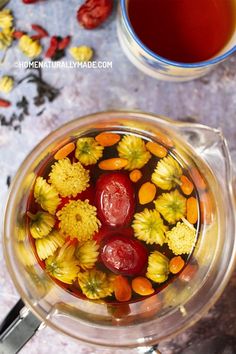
[(113, 164), (206, 208), (188, 273), (135, 175), (150, 306), (107, 139), (176, 264), (122, 289), (147, 193), (192, 210), (156, 149), (64, 151), (164, 139), (142, 286), (198, 179), (186, 186)]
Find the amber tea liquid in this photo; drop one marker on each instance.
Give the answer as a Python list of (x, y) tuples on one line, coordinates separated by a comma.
[(185, 31)]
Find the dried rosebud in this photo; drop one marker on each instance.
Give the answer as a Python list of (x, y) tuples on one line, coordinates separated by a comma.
[(94, 12)]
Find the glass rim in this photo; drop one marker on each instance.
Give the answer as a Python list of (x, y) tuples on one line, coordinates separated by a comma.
[(10, 205), (202, 64)]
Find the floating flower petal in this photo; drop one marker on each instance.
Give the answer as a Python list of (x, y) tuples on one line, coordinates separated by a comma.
[(46, 246), (6, 84), (78, 219), (133, 149), (63, 265), (96, 284), (46, 195), (149, 227), (181, 239), (68, 178), (87, 253), (167, 173), (29, 47), (41, 224), (88, 151), (158, 267), (172, 206)]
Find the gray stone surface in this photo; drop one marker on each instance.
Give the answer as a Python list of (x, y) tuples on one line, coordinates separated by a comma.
[(210, 100)]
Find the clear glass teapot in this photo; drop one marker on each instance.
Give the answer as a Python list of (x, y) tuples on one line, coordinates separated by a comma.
[(145, 324)]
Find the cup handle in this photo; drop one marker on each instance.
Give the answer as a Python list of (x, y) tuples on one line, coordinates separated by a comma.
[(17, 328)]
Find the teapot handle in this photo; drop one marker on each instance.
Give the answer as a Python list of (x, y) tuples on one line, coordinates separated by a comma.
[(17, 328)]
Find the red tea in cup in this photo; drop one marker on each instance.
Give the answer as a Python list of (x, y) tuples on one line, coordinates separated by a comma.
[(186, 31)]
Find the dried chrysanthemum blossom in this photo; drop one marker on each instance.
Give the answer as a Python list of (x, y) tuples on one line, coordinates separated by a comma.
[(87, 253), (96, 284), (29, 47), (133, 149), (6, 84), (63, 265), (25, 255), (6, 19), (172, 206), (68, 178), (46, 195), (167, 173), (41, 224), (181, 239), (46, 246), (88, 151), (149, 227), (78, 219), (158, 267), (82, 53), (6, 38)]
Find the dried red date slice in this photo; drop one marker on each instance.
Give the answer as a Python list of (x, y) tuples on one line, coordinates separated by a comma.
[(94, 12), (114, 199), (124, 255)]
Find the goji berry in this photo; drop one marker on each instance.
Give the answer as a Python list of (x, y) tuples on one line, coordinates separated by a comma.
[(18, 34), (94, 12), (4, 103), (29, 1), (52, 48), (40, 30), (63, 44)]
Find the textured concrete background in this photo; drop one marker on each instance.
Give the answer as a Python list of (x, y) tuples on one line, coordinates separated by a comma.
[(210, 100)]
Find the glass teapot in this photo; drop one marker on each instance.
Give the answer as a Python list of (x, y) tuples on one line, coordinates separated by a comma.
[(146, 323)]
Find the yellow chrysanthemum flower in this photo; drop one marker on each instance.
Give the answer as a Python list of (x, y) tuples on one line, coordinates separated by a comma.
[(172, 206), (78, 219), (6, 84), (63, 265), (68, 178), (25, 255), (87, 254), (46, 195), (133, 149), (167, 173), (181, 239), (41, 224), (46, 246), (149, 227), (6, 18), (6, 38), (158, 267), (82, 53), (29, 47), (88, 151), (96, 284)]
